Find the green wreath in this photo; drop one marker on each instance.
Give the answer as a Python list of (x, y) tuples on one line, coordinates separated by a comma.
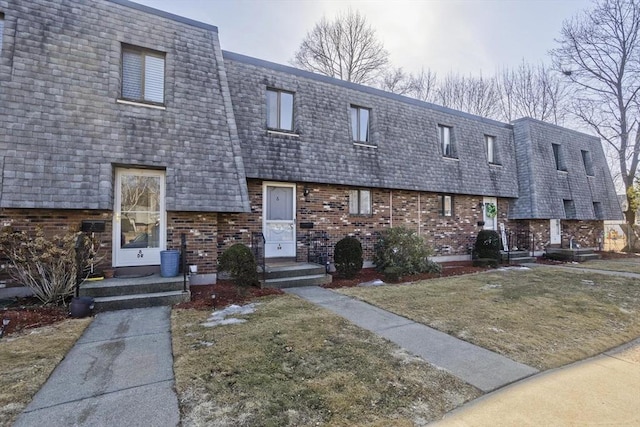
[(492, 210)]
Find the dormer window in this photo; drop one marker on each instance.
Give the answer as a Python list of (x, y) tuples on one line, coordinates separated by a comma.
[(142, 75), (360, 124), (445, 134), (558, 157), (279, 110), (588, 164), (490, 146)]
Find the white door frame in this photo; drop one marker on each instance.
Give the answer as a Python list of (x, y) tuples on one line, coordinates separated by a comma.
[(280, 248), (489, 223), (138, 255), (555, 232)]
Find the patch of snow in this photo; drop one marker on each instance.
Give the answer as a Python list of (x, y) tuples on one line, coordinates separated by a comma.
[(588, 282), (218, 318), (512, 268), (490, 286), (376, 282)]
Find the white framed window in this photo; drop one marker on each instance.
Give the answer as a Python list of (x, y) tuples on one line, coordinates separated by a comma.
[(360, 202), (360, 123), (446, 205), (558, 157), (142, 75), (586, 160), (490, 145), (445, 133), (279, 110)]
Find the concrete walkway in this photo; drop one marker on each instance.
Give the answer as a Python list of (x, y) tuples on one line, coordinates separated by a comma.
[(475, 365), (604, 390), (119, 373)]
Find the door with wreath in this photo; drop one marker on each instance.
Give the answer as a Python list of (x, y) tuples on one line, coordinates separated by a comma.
[(490, 213)]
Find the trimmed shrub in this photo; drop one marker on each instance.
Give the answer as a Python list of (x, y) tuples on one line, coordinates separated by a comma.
[(400, 252), (347, 257), (487, 246), (240, 263)]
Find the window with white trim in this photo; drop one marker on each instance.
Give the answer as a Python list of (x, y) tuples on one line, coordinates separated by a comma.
[(490, 146), (360, 202), (446, 205), (445, 133), (558, 157), (142, 75), (360, 123), (586, 160), (279, 110)]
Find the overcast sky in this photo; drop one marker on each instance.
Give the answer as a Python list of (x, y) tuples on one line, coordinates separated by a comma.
[(469, 36)]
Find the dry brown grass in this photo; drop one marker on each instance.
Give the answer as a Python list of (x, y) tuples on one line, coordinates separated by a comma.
[(544, 317), (295, 364), (27, 359), (629, 265)]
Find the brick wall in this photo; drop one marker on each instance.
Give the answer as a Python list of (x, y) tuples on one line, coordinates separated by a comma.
[(327, 207), (199, 228), (585, 233), (201, 232)]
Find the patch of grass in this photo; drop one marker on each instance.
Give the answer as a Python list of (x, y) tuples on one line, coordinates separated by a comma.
[(292, 363), (544, 317), (27, 361), (629, 265)]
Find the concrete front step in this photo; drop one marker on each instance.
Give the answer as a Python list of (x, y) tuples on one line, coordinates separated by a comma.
[(565, 254), (586, 257), (295, 270), (154, 299), (520, 260), (117, 287), (291, 282)]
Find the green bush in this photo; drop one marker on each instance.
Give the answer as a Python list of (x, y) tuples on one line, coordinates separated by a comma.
[(47, 265), (487, 245), (240, 263), (347, 257), (400, 251)]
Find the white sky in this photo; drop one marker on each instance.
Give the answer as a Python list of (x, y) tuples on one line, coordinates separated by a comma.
[(466, 36)]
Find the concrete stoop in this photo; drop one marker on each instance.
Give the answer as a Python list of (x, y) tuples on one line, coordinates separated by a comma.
[(141, 292), (296, 275), (516, 257), (566, 254)]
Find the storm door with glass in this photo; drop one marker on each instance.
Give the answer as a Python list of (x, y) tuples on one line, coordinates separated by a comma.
[(139, 221), (279, 220)]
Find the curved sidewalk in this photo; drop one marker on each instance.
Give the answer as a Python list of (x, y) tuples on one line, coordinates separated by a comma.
[(475, 365), (119, 373), (603, 390)]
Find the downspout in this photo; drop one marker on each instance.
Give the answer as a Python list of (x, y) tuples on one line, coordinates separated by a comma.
[(419, 217), (390, 208)]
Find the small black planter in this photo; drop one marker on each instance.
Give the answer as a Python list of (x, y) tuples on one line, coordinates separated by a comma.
[(81, 307)]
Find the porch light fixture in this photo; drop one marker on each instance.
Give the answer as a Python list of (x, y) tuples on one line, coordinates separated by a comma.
[(305, 192)]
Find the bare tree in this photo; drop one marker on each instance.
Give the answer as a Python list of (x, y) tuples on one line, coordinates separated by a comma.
[(530, 91), (420, 86), (346, 48), (475, 95), (600, 56)]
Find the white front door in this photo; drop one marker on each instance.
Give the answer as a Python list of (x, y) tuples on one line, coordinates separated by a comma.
[(279, 223), (139, 220), (555, 228), (490, 213)]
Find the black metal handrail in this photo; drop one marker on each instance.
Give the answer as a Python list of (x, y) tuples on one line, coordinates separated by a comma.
[(518, 240), (257, 247), (318, 248)]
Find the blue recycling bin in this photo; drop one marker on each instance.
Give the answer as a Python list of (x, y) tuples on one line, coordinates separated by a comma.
[(169, 263)]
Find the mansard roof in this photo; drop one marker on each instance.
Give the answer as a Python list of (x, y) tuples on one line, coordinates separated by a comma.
[(403, 151), (63, 129)]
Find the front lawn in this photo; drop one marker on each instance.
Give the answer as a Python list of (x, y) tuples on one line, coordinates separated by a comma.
[(292, 363), (544, 317), (629, 265)]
